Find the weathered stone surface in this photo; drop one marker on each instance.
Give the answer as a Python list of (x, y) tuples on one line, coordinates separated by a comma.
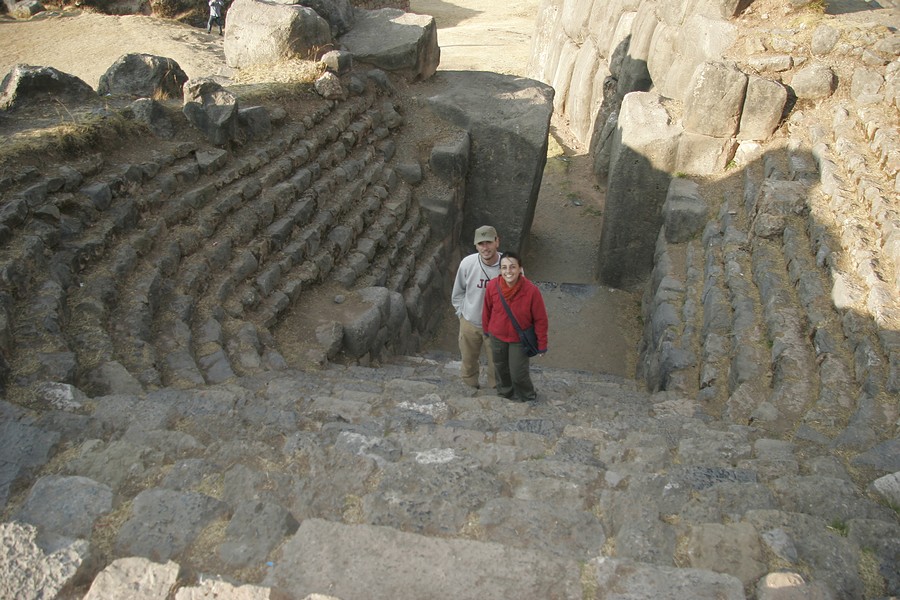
[(254, 530), (732, 548), (152, 114), (338, 61), (338, 13), (394, 40), (506, 137), (700, 154), (143, 75), (623, 578), (25, 85), (165, 522), (29, 571), (25, 9), (408, 565), (450, 161), (888, 488), (715, 97), (684, 211), (814, 82), (210, 589), (261, 32), (211, 108), (643, 157), (134, 577), (328, 85), (763, 108), (678, 51), (66, 506), (23, 447)]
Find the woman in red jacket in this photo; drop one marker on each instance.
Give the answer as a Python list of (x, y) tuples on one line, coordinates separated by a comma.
[(511, 363)]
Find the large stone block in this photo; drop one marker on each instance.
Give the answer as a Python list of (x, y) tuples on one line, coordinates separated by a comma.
[(685, 211), (703, 154), (509, 147), (25, 85), (714, 99), (394, 40), (763, 108), (262, 32), (143, 75), (644, 151)]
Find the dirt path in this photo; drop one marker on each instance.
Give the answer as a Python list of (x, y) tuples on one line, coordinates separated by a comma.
[(592, 327), (86, 44)]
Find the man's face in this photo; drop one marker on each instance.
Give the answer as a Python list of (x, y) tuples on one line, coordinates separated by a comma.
[(488, 250)]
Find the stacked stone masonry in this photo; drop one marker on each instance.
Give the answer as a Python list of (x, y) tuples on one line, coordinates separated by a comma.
[(175, 270), (456, 493)]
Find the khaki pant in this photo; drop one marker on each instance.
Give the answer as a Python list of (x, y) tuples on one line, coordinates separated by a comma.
[(471, 341), (513, 371)]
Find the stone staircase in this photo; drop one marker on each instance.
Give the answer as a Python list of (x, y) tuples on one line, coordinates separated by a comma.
[(400, 482)]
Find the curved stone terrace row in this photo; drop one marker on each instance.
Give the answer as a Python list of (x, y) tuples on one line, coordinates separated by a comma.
[(128, 277)]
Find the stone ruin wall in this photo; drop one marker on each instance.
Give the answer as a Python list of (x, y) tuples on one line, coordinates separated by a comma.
[(179, 267), (777, 302)]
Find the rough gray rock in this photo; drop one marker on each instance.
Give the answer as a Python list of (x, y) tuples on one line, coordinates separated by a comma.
[(763, 108), (393, 40), (66, 506), (152, 114), (26, 9), (684, 212), (507, 137), (714, 100), (814, 82), (165, 522), (262, 32), (25, 85), (644, 150), (212, 109), (134, 577), (399, 564), (143, 75), (338, 13), (624, 578), (28, 570)]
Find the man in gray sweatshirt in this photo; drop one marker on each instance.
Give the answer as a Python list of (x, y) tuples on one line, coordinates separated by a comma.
[(473, 275)]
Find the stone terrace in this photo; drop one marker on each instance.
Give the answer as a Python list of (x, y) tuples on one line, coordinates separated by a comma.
[(158, 437)]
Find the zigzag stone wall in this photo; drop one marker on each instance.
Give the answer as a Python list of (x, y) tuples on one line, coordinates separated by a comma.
[(175, 267), (773, 295)]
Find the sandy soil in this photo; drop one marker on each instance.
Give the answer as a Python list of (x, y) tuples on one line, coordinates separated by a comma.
[(592, 327), (86, 44)]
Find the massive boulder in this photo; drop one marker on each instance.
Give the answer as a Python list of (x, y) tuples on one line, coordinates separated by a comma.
[(262, 32), (644, 152), (25, 85), (508, 121), (394, 40), (143, 75), (338, 13)]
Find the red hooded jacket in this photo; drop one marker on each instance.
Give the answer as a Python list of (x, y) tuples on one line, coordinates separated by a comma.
[(527, 306)]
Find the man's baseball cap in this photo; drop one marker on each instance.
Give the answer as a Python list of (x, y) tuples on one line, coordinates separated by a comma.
[(485, 233)]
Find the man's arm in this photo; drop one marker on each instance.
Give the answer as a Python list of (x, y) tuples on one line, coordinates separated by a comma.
[(459, 290)]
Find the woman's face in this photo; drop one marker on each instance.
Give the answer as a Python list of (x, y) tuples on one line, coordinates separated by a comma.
[(510, 270)]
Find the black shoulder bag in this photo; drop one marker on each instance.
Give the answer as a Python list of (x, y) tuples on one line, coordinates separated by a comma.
[(527, 336)]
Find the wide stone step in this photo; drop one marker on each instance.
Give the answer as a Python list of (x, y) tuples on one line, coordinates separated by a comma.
[(404, 565)]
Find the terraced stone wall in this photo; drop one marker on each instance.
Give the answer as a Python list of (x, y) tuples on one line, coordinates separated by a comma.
[(178, 263)]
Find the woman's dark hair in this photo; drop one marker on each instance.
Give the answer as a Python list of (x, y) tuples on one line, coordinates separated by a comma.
[(512, 255)]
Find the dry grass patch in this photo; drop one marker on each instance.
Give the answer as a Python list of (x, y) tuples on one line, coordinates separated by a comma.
[(287, 71)]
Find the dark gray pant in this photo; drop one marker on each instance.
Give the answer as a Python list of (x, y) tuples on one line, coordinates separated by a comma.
[(512, 369)]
